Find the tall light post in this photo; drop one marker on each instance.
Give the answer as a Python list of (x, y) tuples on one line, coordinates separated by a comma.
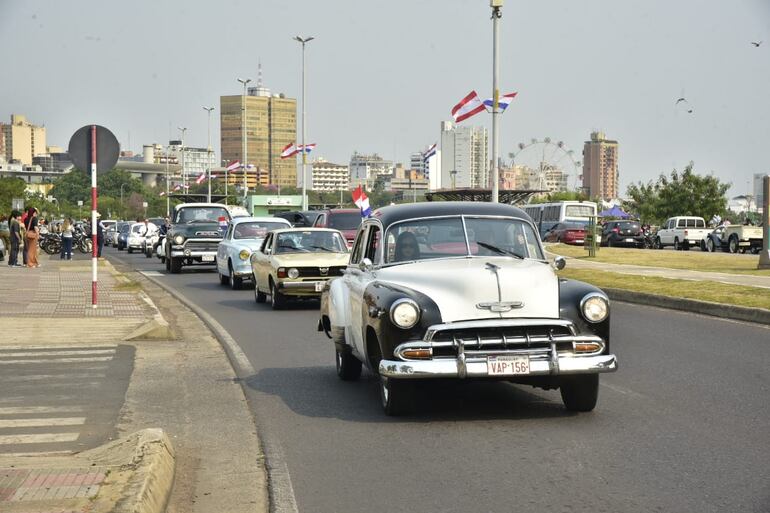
[(184, 171), (304, 153), (243, 131), (168, 200), (497, 13), (208, 152)]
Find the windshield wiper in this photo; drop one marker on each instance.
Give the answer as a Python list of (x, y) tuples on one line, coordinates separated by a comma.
[(499, 251)]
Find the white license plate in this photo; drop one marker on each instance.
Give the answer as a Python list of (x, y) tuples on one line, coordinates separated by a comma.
[(319, 286), (629, 240), (207, 258), (579, 241), (507, 365)]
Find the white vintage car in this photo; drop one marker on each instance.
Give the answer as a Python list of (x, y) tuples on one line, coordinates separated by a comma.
[(244, 236), (463, 290)]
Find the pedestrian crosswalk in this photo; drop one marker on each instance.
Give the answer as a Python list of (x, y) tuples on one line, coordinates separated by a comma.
[(60, 398)]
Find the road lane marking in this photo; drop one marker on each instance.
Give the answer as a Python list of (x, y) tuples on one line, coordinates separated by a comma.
[(57, 360), (45, 438), (151, 273), (622, 390), (28, 410), (54, 346), (58, 353), (51, 377), (61, 421)]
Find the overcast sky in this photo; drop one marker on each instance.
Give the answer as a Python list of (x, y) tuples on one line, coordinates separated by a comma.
[(383, 74)]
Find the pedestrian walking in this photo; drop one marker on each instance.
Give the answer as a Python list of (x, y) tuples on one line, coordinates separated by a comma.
[(31, 236), (67, 234), (15, 228), (5, 233)]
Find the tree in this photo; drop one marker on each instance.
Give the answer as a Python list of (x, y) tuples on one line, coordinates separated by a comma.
[(561, 196), (11, 188), (681, 194), (72, 187)]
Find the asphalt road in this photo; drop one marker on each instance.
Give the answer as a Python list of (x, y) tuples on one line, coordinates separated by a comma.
[(682, 426)]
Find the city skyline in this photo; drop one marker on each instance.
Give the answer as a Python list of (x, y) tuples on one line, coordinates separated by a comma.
[(573, 76)]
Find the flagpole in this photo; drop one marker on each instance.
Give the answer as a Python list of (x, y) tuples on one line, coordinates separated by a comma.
[(303, 41), (497, 13)]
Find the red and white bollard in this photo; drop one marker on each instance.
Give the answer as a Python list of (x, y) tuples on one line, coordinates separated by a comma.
[(93, 218)]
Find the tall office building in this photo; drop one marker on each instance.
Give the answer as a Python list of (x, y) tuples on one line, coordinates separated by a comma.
[(271, 124), (365, 169), (464, 156), (328, 177), (600, 167), (21, 140)]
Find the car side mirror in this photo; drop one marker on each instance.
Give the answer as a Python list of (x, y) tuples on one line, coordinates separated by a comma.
[(365, 264), (559, 263)]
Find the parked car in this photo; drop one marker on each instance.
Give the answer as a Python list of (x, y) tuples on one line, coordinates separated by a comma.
[(297, 263), (136, 235), (568, 233), (244, 236), (622, 233), (681, 232), (300, 219), (734, 238), (196, 230), (346, 220), (463, 290)]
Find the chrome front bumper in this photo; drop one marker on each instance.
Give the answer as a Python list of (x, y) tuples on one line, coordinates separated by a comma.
[(477, 367), (175, 253), (304, 286), (471, 359)]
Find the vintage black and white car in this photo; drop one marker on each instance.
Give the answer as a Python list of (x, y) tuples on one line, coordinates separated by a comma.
[(463, 290)]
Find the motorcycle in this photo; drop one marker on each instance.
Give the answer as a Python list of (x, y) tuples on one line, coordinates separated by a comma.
[(50, 243)]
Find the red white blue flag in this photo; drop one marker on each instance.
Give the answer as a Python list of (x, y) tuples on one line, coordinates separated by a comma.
[(502, 101), (289, 151), (362, 201), (468, 106), (429, 153), (200, 179)]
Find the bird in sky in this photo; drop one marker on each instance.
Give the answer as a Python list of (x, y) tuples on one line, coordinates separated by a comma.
[(756, 43), (681, 99)]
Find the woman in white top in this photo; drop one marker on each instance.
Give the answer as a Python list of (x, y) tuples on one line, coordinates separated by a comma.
[(66, 239)]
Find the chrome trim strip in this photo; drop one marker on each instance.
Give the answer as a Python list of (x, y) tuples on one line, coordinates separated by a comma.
[(299, 285), (496, 323), (477, 367)]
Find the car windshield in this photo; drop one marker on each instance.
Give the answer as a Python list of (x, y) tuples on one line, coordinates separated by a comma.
[(255, 230), (574, 226), (201, 215), (446, 237), (310, 242), (345, 220)]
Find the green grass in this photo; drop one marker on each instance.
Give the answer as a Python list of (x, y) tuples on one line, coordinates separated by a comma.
[(693, 260), (738, 295)]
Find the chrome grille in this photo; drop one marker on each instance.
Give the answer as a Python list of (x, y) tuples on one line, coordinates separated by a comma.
[(307, 272), (199, 245)]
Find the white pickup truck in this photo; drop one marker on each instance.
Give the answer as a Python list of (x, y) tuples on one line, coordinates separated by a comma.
[(682, 232)]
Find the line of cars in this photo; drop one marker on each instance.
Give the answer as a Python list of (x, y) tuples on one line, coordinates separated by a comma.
[(455, 290)]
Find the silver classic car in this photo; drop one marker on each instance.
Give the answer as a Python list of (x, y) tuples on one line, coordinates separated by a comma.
[(244, 236), (463, 290)]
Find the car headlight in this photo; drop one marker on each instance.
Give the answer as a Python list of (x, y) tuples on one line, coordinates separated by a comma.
[(244, 254), (293, 273), (178, 239), (404, 313), (594, 307)]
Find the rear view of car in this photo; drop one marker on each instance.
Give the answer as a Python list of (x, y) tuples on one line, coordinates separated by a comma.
[(623, 233), (346, 220)]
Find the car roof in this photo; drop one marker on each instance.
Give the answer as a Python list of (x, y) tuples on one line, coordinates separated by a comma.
[(395, 213), (262, 219), (339, 211), (305, 229), (182, 205)]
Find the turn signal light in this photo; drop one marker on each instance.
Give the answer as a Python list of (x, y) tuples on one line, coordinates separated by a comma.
[(417, 354), (586, 347), (282, 272)]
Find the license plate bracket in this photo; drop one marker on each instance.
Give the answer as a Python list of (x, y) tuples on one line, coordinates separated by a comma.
[(207, 258)]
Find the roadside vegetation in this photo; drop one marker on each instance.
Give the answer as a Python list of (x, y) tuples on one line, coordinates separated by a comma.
[(737, 295), (693, 260)]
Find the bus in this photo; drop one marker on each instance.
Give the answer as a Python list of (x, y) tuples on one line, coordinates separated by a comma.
[(547, 215)]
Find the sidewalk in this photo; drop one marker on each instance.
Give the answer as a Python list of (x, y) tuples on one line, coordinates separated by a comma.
[(91, 400)]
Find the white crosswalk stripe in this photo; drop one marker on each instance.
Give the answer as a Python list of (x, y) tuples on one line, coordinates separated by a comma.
[(32, 413)]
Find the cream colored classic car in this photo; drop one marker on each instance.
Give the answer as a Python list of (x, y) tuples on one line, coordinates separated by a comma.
[(297, 262)]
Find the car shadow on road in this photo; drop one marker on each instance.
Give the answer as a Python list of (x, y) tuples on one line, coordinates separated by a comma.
[(318, 392)]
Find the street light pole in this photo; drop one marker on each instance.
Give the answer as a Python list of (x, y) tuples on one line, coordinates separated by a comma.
[(243, 130), (497, 13), (168, 200), (184, 171), (208, 152), (304, 152)]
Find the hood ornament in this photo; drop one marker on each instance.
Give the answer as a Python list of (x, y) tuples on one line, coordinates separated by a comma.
[(498, 306)]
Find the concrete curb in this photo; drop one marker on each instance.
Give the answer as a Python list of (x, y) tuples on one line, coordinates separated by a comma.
[(738, 313)]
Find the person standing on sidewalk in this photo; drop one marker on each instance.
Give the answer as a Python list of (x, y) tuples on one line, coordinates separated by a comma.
[(15, 229), (5, 232), (30, 243), (99, 235), (66, 239)]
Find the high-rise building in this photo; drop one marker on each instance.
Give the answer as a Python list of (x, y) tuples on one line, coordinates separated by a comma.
[(600, 167), (328, 177), (365, 169), (271, 124), (464, 161), (21, 140)]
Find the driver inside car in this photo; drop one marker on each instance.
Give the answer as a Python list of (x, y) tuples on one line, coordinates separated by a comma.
[(406, 248)]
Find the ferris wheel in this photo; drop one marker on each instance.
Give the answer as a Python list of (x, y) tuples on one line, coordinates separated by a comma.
[(552, 165)]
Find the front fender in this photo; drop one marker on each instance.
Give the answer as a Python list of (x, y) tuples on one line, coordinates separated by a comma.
[(335, 304), (570, 294)]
